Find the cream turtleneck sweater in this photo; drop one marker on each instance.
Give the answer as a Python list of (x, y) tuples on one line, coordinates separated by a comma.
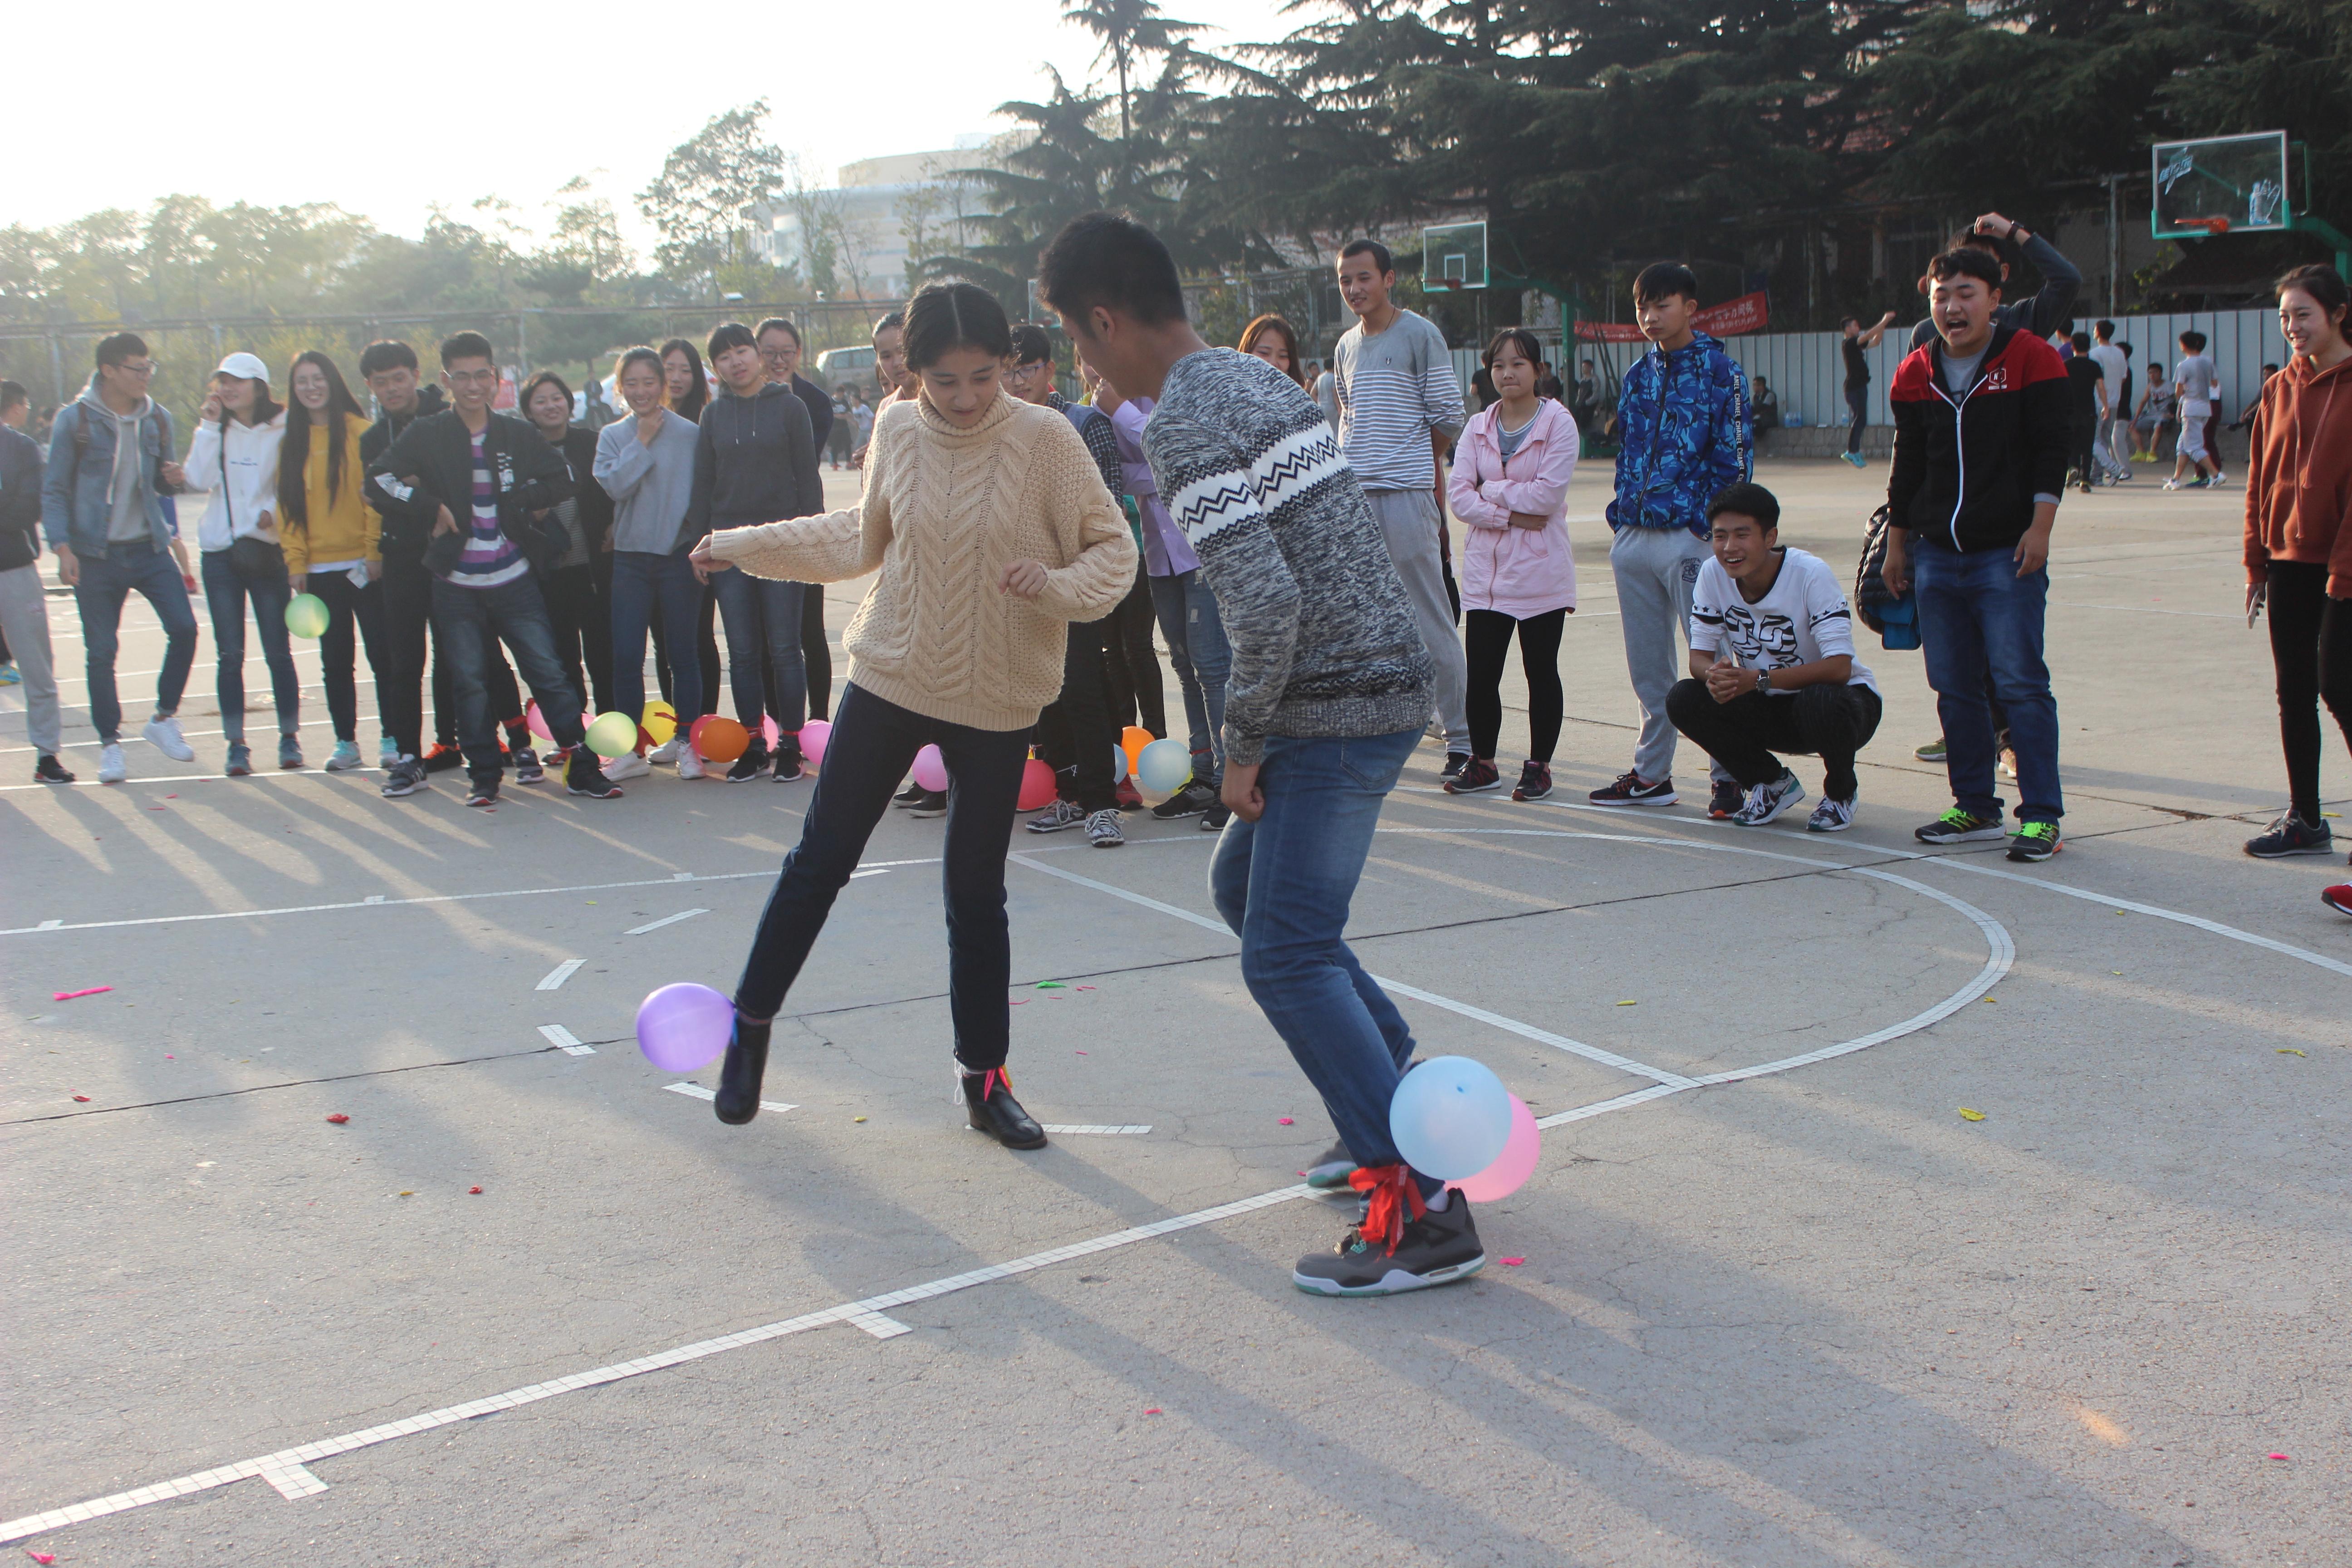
[(945, 512)]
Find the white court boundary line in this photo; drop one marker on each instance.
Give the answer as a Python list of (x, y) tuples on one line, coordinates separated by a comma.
[(868, 1313)]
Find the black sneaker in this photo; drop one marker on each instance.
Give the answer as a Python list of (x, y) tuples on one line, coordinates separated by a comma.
[(586, 777), (933, 804), (1061, 815), (525, 766), (1213, 820), (988, 1106), (1454, 762), (909, 797), (2290, 835), (788, 765), (1631, 789), (750, 765), (405, 776), (1476, 776), (48, 770), (1435, 1249), (1957, 826), (1332, 1168), (2034, 841), (1723, 799), (1535, 782), (443, 757), (484, 793), (1193, 799)]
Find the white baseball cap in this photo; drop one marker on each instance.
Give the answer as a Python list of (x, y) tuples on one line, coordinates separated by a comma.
[(248, 366)]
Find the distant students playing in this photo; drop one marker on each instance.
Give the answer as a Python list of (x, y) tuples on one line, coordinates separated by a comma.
[(1684, 424), (1855, 350), (2195, 382), (1773, 666), (233, 461), (1980, 440), (1518, 577)]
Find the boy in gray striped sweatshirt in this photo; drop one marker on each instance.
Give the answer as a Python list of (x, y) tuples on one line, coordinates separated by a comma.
[(1329, 687)]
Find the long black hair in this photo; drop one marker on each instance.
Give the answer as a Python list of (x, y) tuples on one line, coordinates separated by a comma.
[(698, 397), (294, 456)]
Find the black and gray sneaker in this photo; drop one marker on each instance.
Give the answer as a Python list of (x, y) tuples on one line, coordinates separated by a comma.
[(750, 764), (790, 765), (1454, 762), (483, 793), (909, 797), (583, 776), (405, 776), (1435, 1249), (1535, 782), (2290, 835), (1959, 826), (1193, 799), (1104, 831), (48, 770), (1723, 799), (1213, 820), (1062, 814), (1632, 789), (1476, 776), (1332, 1168), (525, 766), (1766, 801), (933, 804)]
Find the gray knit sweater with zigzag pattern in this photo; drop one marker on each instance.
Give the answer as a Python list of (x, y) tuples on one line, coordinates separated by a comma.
[(1324, 640)]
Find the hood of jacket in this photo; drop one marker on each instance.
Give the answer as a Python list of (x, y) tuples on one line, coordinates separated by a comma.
[(2299, 493), (1684, 431)]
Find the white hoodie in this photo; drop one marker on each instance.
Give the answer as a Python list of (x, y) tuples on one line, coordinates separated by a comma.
[(240, 472)]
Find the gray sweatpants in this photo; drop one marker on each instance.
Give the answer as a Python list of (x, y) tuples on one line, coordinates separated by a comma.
[(1655, 569), (1409, 520), (24, 622)]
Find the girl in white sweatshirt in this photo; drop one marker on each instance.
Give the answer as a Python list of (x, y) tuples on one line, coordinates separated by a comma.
[(233, 460)]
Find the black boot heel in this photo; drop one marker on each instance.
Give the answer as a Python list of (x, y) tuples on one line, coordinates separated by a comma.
[(738, 1099), (989, 1106)]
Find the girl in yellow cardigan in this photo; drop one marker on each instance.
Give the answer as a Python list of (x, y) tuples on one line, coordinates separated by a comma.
[(330, 534), (992, 532)]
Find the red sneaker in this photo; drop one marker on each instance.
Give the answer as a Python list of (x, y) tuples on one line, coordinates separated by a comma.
[(2339, 897)]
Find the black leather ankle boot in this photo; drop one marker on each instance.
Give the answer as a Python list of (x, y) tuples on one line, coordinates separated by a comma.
[(987, 1101), (738, 1099)]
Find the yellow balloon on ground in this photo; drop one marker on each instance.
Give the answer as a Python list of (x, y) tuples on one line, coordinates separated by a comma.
[(306, 616), (660, 721), (612, 734)]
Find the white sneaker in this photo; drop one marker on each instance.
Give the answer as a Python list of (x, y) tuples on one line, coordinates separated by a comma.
[(163, 735), (689, 762), (1102, 830), (627, 765), (109, 763), (664, 753), (1766, 801), (1833, 815)]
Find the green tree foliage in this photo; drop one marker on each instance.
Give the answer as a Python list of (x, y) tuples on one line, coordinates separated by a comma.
[(698, 200)]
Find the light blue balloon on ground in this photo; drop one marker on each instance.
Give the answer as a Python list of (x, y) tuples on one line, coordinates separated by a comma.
[(1450, 1118), (685, 1027), (1163, 767)]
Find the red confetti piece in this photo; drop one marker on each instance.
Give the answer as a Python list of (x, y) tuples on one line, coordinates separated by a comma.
[(39, 1556), (474, 1192), (1085, 988), (2274, 1456), (81, 1100), (1285, 1121), (339, 1119), (1512, 1262), (171, 798), (1153, 1411), (69, 996), (1081, 1053)]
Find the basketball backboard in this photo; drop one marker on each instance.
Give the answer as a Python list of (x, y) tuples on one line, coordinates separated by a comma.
[(1454, 255), (2221, 185)]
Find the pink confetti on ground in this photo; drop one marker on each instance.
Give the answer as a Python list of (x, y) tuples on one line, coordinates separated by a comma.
[(339, 1119), (81, 1100), (1512, 1262), (1153, 1411), (2274, 1456), (1020, 1002), (93, 991), (170, 1057), (1285, 1121), (39, 1556), (1086, 988), (1083, 1053)]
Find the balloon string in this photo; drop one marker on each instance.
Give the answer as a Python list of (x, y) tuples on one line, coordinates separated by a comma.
[(1388, 1190)]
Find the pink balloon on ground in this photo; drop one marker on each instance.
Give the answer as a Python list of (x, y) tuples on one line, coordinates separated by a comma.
[(814, 736), (1514, 1165), (1037, 785), (537, 721), (684, 1028), (930, 769)]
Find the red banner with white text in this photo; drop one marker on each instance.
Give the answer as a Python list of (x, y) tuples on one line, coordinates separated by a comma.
[(1733, 317)]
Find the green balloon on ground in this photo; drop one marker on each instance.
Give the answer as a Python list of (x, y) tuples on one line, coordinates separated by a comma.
[(306, 616), (612, 734)]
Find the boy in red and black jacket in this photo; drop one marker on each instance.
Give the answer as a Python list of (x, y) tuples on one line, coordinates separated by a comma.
[(1982, 435)]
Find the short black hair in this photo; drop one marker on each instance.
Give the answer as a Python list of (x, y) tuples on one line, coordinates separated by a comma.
[(530, 389), (1109, 259), (2082, 341), (895, 319), (12, 393), (1845, 322), (1371, 247), (2321, 281), (1663, 280), (1966, 262), (2126, 347), (120, 346), (728, 335), (2193, 341), (465, 345), (944, 317), (777, 325), (386, 354), (1030, 344), (2104, 329), (1749, 500)]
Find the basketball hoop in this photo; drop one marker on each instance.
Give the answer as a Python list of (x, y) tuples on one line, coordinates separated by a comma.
[(1446, 282), (2210, 224)]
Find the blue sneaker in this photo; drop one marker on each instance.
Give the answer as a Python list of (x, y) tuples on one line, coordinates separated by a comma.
[(10, 675), (346, 757), (240, 759), (1857, 459), (290, 753)]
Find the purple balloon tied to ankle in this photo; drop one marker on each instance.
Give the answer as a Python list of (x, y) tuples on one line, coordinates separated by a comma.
[(685, 1027)]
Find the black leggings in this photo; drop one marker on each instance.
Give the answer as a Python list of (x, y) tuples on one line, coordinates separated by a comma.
[(1487, 642), (2311, 643)]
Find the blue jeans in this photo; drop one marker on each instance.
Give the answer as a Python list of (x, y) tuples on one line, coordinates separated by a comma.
[(471, 622), (106, 581), (1283, 883), (762, 617), (1981, 627), (1857, 404), (1187, 612), (641, 579), (874, 744), (224, 596)]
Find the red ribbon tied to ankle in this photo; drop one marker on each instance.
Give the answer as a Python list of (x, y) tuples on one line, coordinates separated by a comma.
[(1390, 1190), (990, 1079)]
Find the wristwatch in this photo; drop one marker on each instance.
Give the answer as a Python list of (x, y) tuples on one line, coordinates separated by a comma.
[(1763, 681)]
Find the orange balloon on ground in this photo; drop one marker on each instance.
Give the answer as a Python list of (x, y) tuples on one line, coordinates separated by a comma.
[(1132, 740), (1037, 785), (720, 740)]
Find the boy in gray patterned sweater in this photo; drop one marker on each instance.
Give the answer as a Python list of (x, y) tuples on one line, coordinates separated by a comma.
[(1328, 691)]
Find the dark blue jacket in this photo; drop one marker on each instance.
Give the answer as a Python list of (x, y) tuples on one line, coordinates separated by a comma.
[(1684, 431), (20, 498)]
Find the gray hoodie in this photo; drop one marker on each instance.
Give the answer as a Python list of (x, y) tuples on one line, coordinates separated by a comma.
[(101, 485)]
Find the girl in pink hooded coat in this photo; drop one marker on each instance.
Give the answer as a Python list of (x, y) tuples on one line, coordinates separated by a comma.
[(1509, 485)]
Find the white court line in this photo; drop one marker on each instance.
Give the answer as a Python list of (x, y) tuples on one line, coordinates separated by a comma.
[(664, 921), (696, 1091), (562, 971), (1083, 1129), (564, 1040)]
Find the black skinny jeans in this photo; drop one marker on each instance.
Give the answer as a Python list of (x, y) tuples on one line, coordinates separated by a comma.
[(1132, 664), (1742, 735), (580, 605), (1075, 734), (2311, 644), (873, 745), (350, 607), (1486, 640)]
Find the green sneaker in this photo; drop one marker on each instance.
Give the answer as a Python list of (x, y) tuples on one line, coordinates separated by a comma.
[(1933, 752), (2035, 841), (1957, 826)]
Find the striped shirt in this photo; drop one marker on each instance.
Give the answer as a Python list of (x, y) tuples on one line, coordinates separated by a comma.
[(1394, 388), (490, 557)]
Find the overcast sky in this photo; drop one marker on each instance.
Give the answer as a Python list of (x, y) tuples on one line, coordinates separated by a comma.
[(386, 109)]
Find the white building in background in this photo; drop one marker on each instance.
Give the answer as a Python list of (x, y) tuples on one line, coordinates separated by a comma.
[(881, 207)]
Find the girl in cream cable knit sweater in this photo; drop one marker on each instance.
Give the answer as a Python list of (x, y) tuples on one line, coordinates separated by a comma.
[(992, 532)]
